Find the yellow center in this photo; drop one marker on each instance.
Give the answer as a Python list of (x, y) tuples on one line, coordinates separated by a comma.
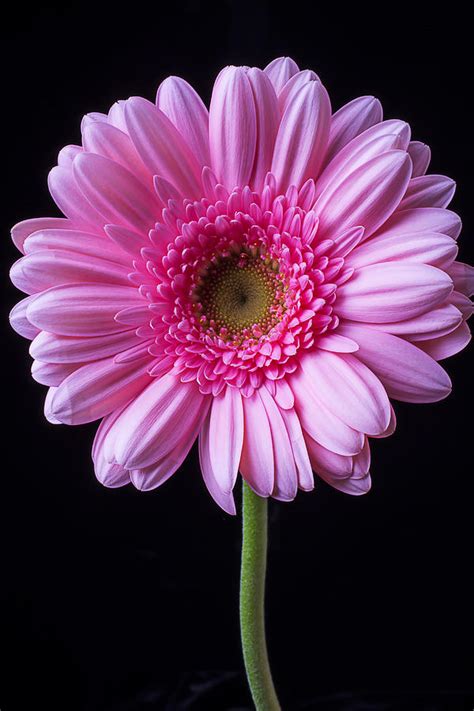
[(238, 294)]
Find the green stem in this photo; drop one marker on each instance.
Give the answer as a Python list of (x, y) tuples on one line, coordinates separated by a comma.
[(252, 593)]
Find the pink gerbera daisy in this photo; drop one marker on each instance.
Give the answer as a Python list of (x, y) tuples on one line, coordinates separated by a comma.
[(264, 275)]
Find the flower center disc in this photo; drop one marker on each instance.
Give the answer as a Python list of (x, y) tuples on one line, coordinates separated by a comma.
[(240, 294)]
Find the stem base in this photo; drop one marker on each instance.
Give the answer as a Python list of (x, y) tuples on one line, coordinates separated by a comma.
[(252, 600)]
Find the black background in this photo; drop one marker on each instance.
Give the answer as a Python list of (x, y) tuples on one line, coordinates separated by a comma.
[(119, 600)]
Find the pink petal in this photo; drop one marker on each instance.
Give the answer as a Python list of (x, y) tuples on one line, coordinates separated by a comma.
[(349, 390), (448, 345), (115, 192), (462, 303), (267, 120), (380, 138), (76, 242), (391, 426), (19, 321), (148, 478), (420, 155), (134, 315), (232, 128), (154, 423), (70, 200), (67, 154), (286, 480), (434, 323), (337, 343), (300, 452), (257, 463), (67, 349), (96, 389), (116, 116), (280, 71), (22, 230), (302, 136), (52, 374), (326, 462), (392, 291), (422, 219), (343, 165), (352, 485), (110, 142), (463, 277), (367, 197), (225, 437), (362, 462), (351, 120), (128, 240), (187, 112), (407, 373), (284, 395), (47, 407), (151, 477), (166, 191), (161, 147), (319, 422), (41, 270), (428, 191), (81, 309), (292, 87), (421, 248), (222, 497), (93, 117), (137, 352), (345, 242), (110, 475)]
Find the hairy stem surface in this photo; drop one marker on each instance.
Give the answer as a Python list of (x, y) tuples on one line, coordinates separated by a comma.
[(252, 594)]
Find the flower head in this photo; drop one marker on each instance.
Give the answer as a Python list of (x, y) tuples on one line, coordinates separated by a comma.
[(263, 276)]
